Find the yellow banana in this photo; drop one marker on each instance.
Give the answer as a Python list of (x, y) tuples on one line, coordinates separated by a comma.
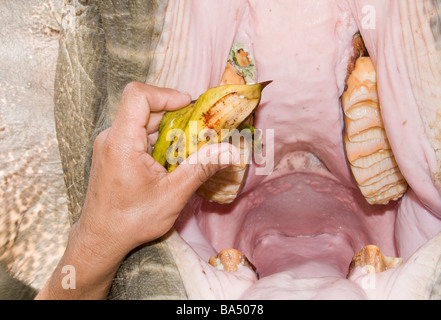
[(226, 184), (171, 120), (223, 107)]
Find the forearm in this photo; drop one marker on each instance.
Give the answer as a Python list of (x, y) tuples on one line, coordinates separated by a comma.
[(128, 201), (85, 271)]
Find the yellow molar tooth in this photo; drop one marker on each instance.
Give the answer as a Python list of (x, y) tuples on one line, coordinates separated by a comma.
[(366, 176), (373, 261), (364, 109), (393, 193), (372, 133), (368, 150), (372, 159), (226, 184), (356, 150), (384, 184), (230, 260)]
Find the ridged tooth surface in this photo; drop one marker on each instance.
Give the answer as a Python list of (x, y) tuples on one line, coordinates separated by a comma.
[(375, 172), (226, 184), (365, 148), (368, 150)]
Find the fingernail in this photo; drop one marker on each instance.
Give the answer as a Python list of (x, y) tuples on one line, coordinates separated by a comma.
[(229, 154), (188, 95)]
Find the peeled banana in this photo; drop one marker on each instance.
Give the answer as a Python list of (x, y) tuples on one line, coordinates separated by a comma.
[(219, 111), (226, 184), (368, 150), (172, 120)]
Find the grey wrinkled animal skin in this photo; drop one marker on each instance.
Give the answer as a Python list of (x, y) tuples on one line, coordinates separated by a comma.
[(64, 65), (33, 207), (98, 43), (13, 289), (46, 134)]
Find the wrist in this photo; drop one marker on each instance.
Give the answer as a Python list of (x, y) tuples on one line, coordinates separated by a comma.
[(85, 271), (99, 246)]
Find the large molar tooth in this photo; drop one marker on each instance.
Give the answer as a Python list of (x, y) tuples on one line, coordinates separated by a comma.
[(387, 182), (356, 150), (367, 148), (375, 172), (392, 193), (226, 184), (362, 116), (374, 133), (371, 260), (372, 159), (355, 127), (364, 109), (418, 277), (230, 260), (361, 85)]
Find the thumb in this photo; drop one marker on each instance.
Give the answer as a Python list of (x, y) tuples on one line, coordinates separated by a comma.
[(200, 166)]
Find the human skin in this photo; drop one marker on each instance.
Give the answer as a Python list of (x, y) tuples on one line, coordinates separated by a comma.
[(131, 199)]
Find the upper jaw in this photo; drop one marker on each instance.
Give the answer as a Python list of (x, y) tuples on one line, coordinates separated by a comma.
[(408, 88), (409, 92), (315, 123)]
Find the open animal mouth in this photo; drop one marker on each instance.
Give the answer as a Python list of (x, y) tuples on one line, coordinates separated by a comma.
[(307, 228), (299, 227)]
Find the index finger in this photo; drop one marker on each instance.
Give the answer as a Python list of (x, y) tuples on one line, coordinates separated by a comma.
[(137, 101)]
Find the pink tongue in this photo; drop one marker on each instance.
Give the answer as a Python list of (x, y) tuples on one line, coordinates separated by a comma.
[(306, 257)]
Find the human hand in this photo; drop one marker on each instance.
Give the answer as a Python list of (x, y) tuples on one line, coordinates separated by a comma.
[(131, 199)]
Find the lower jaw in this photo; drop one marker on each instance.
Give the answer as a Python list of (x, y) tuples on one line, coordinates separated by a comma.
[(321, 255), (300, 224)]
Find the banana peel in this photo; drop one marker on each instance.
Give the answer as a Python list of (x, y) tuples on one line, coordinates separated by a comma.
[(171, 120), (223, 107)]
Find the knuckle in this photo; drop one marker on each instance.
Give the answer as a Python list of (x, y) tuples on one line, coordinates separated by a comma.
[(100, 138), (132, 87), (99, 141), (115, 152), (136, 88)]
